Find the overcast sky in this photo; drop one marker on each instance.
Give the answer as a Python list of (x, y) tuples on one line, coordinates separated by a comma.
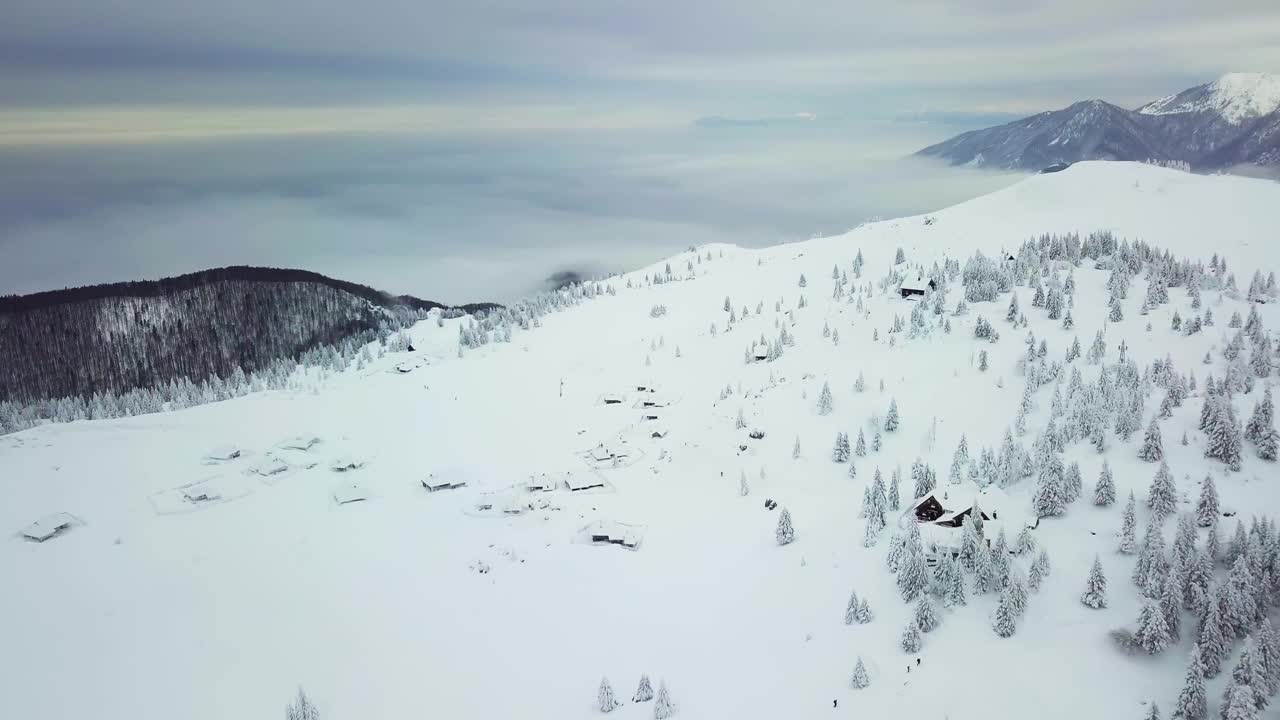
[(464, 150), (241, 65)]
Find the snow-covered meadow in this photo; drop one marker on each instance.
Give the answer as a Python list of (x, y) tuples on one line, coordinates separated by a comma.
[(417, 603)]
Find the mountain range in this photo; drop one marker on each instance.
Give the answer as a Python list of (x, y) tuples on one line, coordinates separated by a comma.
[(1234, 120)]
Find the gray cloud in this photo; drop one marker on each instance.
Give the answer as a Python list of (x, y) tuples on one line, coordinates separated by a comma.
[(453, 219)]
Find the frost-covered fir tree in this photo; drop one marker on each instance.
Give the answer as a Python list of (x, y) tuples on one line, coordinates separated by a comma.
[(1050, 495), (663, 707), (1104, 493), (1072, 482), (982, 361), (851, 610), (785, 533), (1025, 544), (985, 579), (864, 614), (841, 452), (1153, 711), (1171, 599), (1039, 569), (860, 384), (1162, 497), (743, 488), (644, 693), (1239, 703), (926, 615), (1095, 587), (1005, 622), (1129, 527), (1250, 671), (1262, 420), (954, 594), (911, 640), (1152, 444), (876, 442), (913, 571), (605, 701), (860, 678), (1224, 441), (795, 450), (1152, 634), (895, 495), (824, 399), (302, 708), (1192, 701), (860, 449), (1214, 641), (891, 420)]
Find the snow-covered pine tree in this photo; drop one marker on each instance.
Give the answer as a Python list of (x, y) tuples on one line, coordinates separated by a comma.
[(1072, 483), (605, 701), (1262, 420), (1214, 641), (1249, 671), (911, 640), (644, 693), (1005, 623), (1050, 496), (1025, 543), (1224, 441), (1095, 587), (851, 610), (743, 488), (913, 572), (1153, 711), (841, 451), (864, 614), (860, 678), (302, 708), (1192, 701), (824, 399), (795, 450), (1171, 599), (785, 533), (1152, 634), (663, 707), (891, 420), (1152, 444), (1239, 703), (1104, 493), (1129, 528), (860, 449), (926, 615), (895, 495), (1162, 497), (1039, 569)]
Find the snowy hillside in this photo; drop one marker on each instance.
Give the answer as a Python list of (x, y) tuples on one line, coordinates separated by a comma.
[(209, 584)]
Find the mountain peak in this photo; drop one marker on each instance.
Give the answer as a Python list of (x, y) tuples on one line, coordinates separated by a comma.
[(1236, 97)]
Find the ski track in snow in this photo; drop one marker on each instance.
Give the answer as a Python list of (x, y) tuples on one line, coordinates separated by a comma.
[(375, 609)]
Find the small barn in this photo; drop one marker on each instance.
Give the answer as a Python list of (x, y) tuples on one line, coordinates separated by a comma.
[(760, 353), (611, 533), (201, 493), (653, 401), (436, 483), (586, 481), (223, 453), (48, 526), (601, 453), (918, 286), (304, 441), (611, 399), (270, 465), (646, 387), (546, 482), (649, 415), (346, 464), (348, 493), (658, 432), (404, 367)]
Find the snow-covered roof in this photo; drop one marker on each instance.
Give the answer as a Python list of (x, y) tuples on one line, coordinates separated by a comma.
[(223, 452), (919, 284), (270, 465), (48, 526), (584, 481), (602, 452), (659, 431), (615, 533), (443, 482), (302, 441), (956, 498), (345, 463), (202, 492), (547, 481), (349, 493), (761, 352), (404, 367)]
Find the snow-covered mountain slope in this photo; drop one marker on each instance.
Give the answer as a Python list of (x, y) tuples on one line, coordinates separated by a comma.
[(415, 603), (1211, 126), (1237, 97)]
